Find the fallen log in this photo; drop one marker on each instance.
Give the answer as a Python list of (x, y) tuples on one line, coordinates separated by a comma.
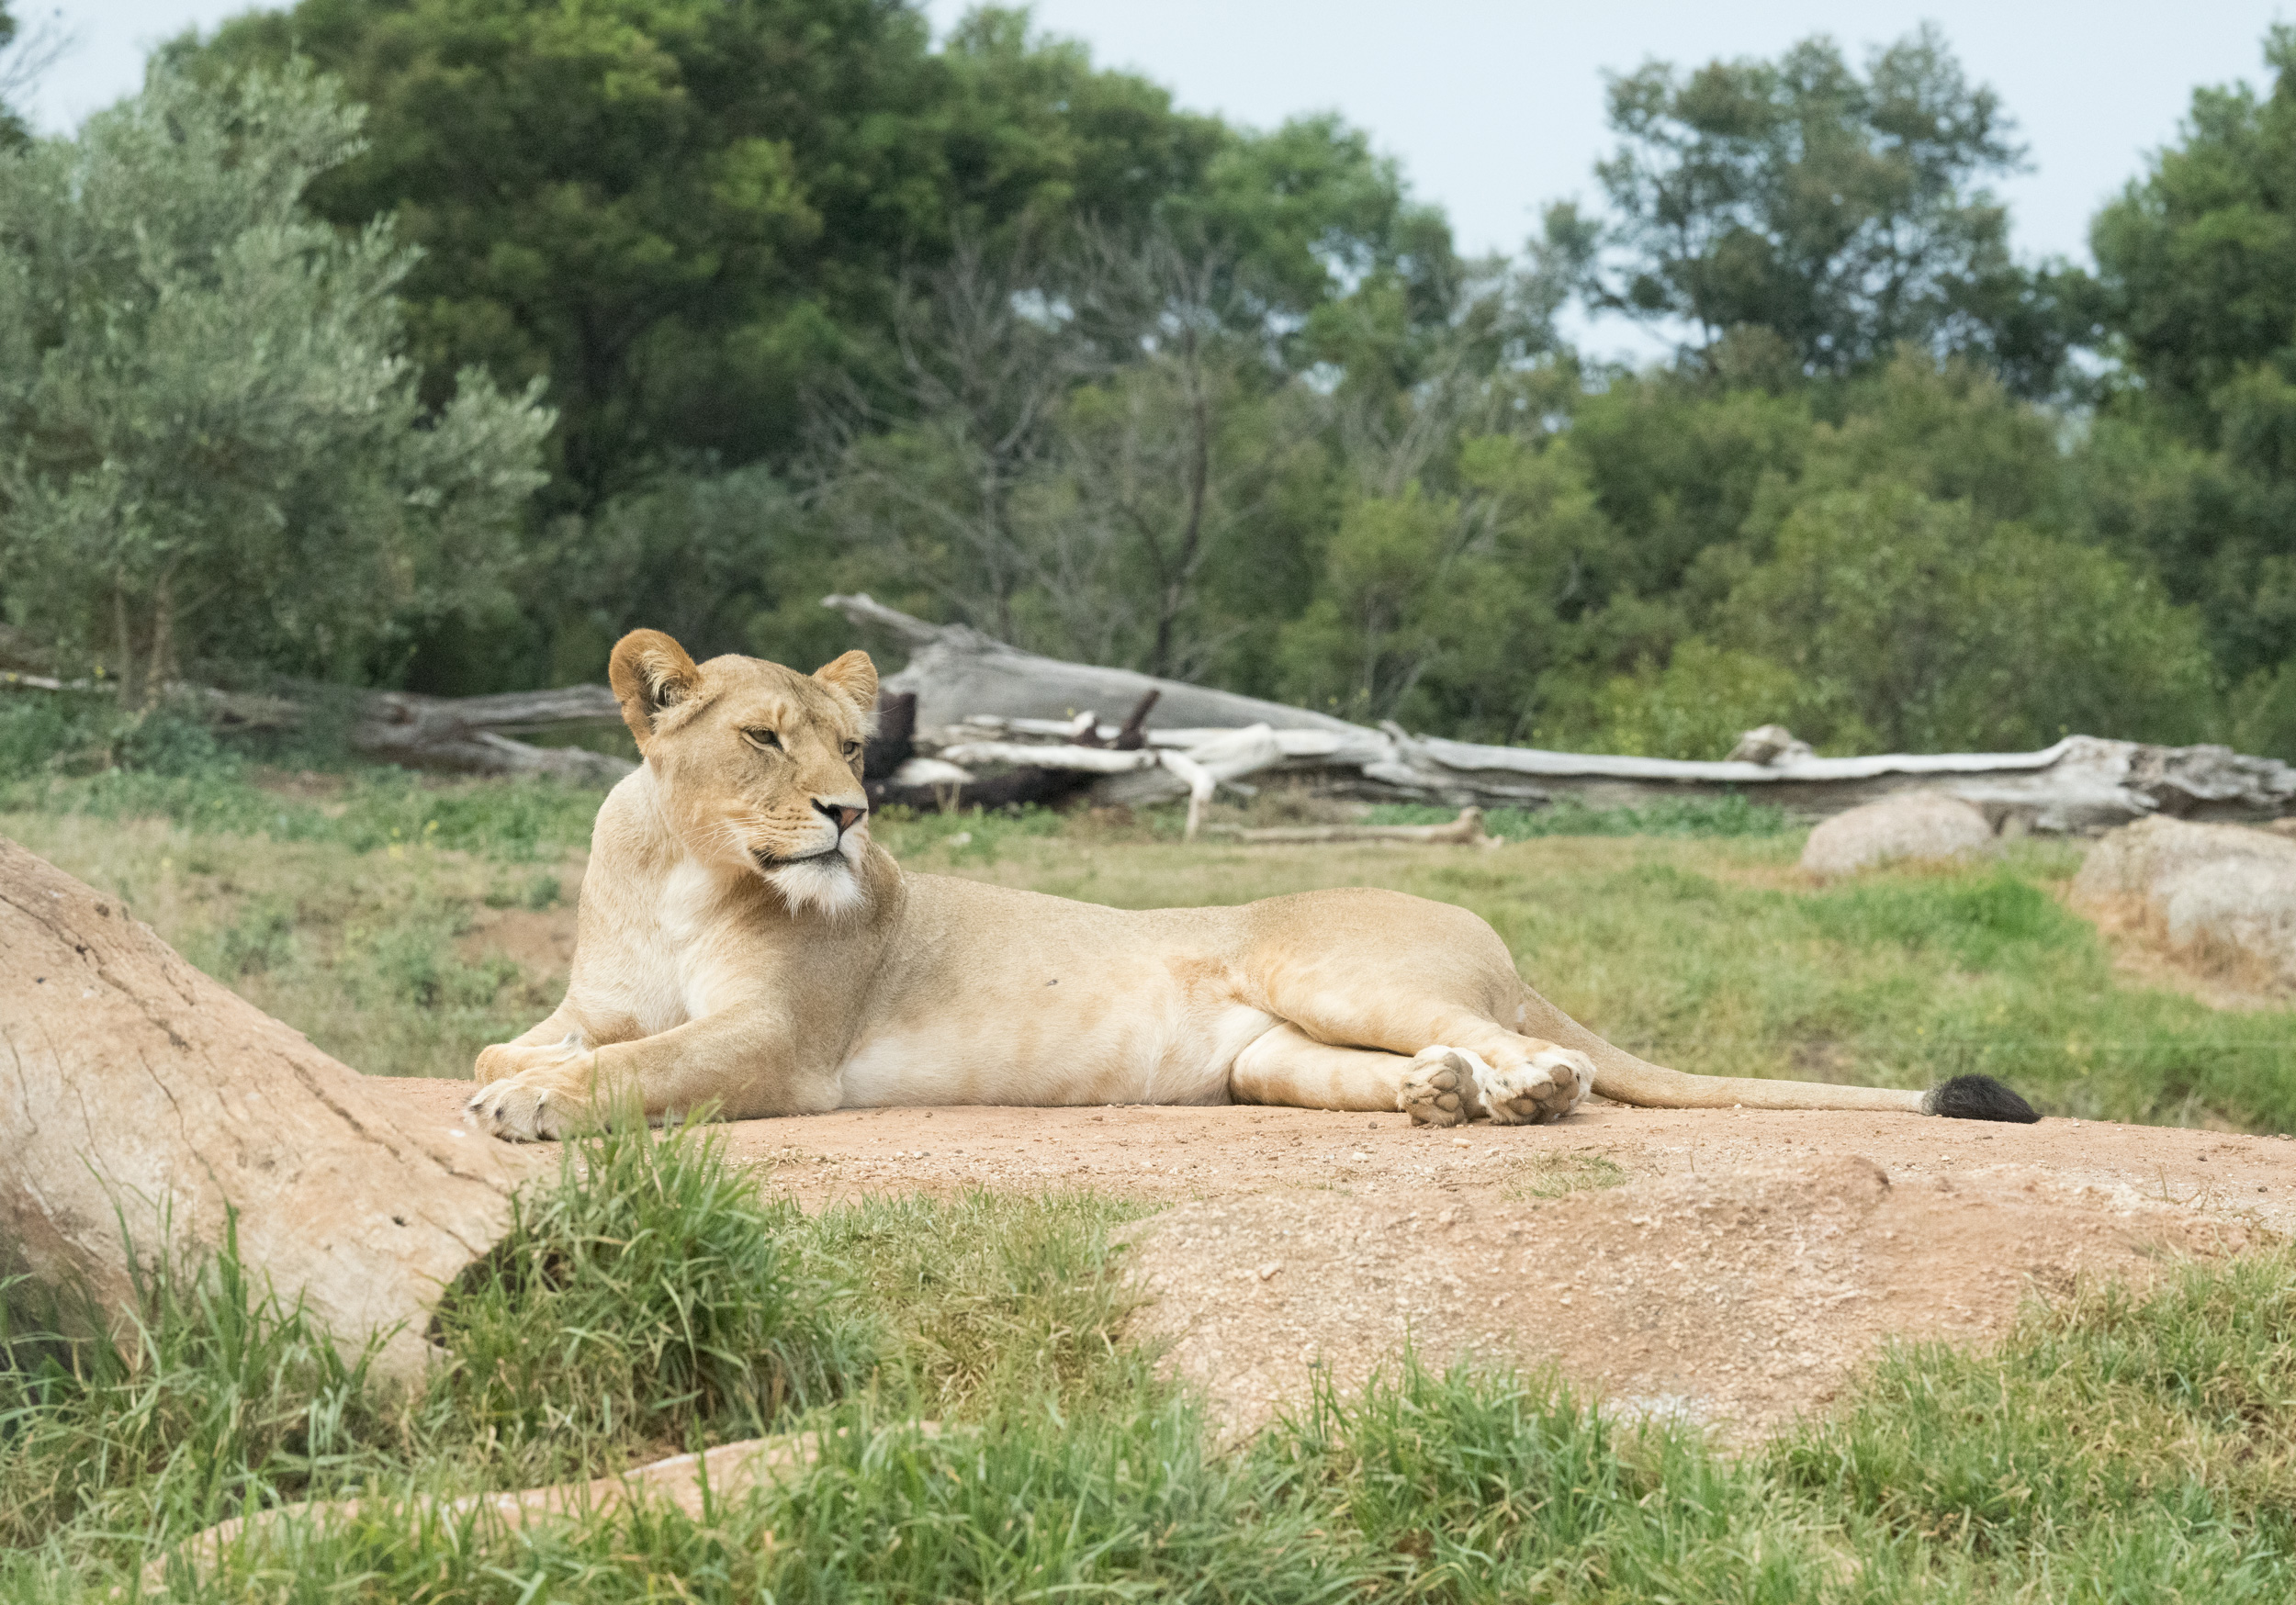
[(470, 735), (969, 685), (149, 1110), (474, 734), (955, 670)]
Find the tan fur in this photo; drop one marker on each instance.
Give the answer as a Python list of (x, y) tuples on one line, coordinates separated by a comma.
[(742, 944)]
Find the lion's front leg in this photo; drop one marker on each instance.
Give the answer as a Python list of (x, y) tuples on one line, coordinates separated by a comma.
[(741, 1063)]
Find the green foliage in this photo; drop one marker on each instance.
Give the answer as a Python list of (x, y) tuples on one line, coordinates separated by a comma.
[(1010, 339), (2193, 466), (2195, 256), (12, 130), (1704, 698), (2263, 714), (1841, 214), (1680, 466), (64, 733), (215, 447), (687, 216), (1443, 607), (1921, 627)]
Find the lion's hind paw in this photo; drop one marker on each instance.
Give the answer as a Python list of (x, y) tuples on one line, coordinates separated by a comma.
[(1439, 1088), (1546, 1086)]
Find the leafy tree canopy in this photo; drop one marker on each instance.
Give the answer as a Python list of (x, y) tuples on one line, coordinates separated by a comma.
[(211, 444), (685, 214), (2197, 256), (1846, 213)]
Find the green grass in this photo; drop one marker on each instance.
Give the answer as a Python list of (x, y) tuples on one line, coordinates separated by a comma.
[(362, 811), (2111, 1449), (1688, 816)]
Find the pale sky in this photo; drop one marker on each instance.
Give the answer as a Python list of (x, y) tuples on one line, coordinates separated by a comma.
[(1495, 108)]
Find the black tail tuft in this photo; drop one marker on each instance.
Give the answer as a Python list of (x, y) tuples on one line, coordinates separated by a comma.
[(1978, 1097)]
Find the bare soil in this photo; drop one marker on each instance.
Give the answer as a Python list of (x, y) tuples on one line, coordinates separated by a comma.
[(1733, 1267)]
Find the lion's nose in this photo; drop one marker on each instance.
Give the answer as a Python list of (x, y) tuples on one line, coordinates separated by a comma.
[(841, 814)]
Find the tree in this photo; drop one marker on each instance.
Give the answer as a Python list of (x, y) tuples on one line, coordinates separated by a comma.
[(934, 484), (1445, 590), (2191, 467), (1847, 214), (1927, 628), (628, 199), (12, 130), (2197, 259), (213, 444)]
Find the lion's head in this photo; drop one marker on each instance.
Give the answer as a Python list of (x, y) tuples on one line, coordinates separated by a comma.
[(759, 767)]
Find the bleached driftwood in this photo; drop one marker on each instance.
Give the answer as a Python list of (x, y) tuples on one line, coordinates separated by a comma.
[(955, 670), (143, 1101), (969, 687)]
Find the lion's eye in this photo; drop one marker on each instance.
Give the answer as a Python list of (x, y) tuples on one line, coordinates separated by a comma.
[(851, 748), (764, 738)]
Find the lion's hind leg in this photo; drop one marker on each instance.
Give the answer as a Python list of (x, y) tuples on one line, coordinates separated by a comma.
[(1529, 1083), (1284, 1065)]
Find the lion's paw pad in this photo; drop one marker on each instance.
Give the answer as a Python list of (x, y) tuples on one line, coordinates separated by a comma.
[(1439, 1088), (1545, 1087)]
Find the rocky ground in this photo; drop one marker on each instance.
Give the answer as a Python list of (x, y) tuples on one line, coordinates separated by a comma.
[(1732, 1266)]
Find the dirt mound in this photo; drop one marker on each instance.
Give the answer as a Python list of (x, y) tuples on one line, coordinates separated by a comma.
[(1735, 1300), (1733, 1266)]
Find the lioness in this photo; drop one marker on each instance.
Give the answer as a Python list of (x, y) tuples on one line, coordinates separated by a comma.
[(743, 943)]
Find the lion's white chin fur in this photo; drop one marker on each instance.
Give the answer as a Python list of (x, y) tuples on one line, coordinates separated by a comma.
[(828, 885)]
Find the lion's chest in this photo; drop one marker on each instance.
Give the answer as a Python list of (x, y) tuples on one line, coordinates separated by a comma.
[(683, 966)]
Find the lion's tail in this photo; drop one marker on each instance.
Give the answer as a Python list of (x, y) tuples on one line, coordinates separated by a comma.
[(1620, 1076)]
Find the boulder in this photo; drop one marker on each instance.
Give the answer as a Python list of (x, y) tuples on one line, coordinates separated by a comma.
[(2226, 888), (1924, 826)]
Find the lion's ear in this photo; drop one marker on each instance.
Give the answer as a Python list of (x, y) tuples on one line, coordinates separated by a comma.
[(650, 673), (852, 677)]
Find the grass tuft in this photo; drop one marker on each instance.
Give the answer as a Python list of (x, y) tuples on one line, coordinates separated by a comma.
[(2102, 1409), (217, 1394), (671, 1298)]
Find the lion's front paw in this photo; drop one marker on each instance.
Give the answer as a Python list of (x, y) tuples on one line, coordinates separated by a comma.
[(1544, 1087), (1439, 1088), (501, 1060), (522, 1109)]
